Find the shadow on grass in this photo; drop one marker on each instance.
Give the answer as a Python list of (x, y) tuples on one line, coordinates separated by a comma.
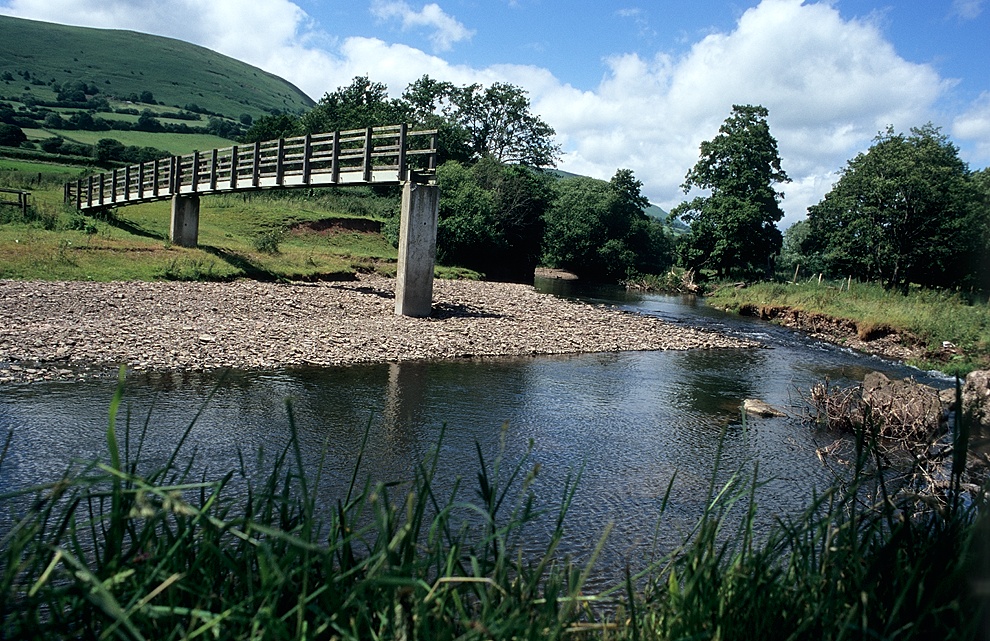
[(249, 269), (110, 218)]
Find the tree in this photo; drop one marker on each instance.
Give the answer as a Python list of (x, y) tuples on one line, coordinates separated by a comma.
[(902, 212), (109, 149), (11, 135), (432, 105), (491, 218), (499, 124), (980, 259), (361, 104), (734, 229), (272, 128), (598, 230)]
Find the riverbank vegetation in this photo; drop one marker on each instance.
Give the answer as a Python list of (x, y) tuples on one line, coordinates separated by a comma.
[(131, 548), (953, 329)]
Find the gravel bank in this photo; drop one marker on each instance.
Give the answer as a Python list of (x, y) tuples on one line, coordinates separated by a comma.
[(75, 329)]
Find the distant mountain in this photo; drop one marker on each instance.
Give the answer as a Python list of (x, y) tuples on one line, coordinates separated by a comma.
[(35, 55)]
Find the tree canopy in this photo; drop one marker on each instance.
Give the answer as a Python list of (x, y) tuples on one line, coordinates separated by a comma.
[(491, 217), (598, 230), (361, 104), (734, 228), (903, 212)]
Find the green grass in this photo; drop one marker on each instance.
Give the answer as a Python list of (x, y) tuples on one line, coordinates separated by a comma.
[(176, 144), (121, 63), (56, 243), (931, 316), (121, 548)]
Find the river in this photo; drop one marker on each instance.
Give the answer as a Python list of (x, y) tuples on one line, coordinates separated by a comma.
[(628, 421)]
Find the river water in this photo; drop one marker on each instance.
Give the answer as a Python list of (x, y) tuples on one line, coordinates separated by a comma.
[(628, 421)]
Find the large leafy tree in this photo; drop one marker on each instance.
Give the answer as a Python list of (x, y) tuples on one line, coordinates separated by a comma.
[(361, 104), (598, 230), (272, 127), (734, 228), (500, 125), (431, 106), (491, 217), (902, 212)]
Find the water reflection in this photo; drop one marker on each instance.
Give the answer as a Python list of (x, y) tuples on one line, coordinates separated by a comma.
[(630, 421)]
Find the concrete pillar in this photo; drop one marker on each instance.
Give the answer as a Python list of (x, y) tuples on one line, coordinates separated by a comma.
[(417, 249), (184, 230)]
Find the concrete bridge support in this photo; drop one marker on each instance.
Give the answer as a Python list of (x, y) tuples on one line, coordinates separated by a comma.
[(184, 229), (417, 249)]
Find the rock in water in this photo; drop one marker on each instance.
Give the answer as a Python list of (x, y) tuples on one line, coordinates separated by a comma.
[(759, 408)]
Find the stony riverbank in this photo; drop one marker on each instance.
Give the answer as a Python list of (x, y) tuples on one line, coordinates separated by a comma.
[(58, 330)]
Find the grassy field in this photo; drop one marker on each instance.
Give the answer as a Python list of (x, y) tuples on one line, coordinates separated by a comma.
[(131, 549), (121, 63), (264, 235), (933, 317), (173, 143)]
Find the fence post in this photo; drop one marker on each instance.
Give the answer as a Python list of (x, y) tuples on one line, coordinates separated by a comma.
[(213, 170), (256, 168), (367, 154), (307, 152), (234, 152), (335, 159), (279, 160), (195, 171), (402, 151)]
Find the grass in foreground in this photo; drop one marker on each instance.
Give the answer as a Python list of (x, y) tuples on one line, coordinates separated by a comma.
[(931, 316), (114, 551)]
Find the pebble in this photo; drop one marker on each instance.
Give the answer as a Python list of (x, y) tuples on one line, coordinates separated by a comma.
[(71, 330)]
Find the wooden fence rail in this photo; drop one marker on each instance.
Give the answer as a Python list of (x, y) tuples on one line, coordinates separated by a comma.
[(379, 155), (21, 201)]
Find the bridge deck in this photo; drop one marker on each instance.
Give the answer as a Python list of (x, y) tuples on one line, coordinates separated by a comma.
[(380, 156)]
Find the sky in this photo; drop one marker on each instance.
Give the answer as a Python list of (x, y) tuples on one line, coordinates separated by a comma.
[(632, 84)]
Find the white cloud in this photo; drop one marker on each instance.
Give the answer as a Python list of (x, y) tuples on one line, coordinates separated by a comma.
[(446, 30), (967, 9), (974, 126), (830, 84)]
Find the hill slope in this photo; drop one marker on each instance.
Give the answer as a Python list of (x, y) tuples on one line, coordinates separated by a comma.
[(121, 63)]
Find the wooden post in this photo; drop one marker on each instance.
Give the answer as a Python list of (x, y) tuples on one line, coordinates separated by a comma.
[(213, 171), (256, 169), (89, 195), (307, 152), (233, 166), (113, 187), (796, 270), (195, 171), (177, 175), (279, 162), (402, 152), (367, 154), (154, 180), (102, 180), (335, 159), (127, 183), (141, 181)]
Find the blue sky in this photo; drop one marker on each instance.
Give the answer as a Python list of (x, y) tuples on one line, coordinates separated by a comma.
[(628, 84)]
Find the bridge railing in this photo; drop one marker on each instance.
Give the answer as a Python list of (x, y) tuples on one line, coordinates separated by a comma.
[(378, 155)]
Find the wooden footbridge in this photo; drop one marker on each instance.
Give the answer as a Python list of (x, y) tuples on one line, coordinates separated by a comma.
[(390, 155), (372, 156)]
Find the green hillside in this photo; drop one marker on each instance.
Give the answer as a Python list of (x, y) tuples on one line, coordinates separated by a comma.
[(36, 55)]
